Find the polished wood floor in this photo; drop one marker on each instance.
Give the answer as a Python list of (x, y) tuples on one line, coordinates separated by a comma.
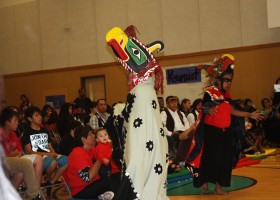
[(266, 173)]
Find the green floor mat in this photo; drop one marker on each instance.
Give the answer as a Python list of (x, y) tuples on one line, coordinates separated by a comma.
[(184, 171), (186, 187)]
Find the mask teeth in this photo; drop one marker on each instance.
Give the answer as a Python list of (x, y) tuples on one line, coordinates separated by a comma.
[(125, 65)]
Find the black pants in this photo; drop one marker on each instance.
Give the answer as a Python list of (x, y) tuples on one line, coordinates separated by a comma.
[(216, 159), (97, 188)]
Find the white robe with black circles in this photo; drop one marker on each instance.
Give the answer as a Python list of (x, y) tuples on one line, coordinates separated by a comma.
[(146, 148)]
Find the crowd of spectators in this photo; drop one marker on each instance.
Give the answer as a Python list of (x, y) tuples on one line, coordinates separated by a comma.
[(48, 139)]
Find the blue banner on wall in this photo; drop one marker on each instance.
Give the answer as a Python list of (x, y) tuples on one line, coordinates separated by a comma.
[(183, 75), (56, 100)]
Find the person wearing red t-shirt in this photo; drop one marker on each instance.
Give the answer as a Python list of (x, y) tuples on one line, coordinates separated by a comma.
[(82, 173), (14, 145), (104, 152), (210, 158), (19, 168)]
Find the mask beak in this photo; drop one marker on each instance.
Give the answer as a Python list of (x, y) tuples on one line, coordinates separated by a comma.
[(155, 45)]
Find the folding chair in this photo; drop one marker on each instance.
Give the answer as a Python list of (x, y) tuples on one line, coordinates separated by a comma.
[(54, 185)]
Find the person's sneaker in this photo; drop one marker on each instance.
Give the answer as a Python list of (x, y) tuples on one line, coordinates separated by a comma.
[(106, 196)]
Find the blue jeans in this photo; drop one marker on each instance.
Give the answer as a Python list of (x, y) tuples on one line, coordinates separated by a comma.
[(61, 161)]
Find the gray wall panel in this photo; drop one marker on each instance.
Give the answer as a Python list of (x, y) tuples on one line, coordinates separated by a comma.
[(255, 25), (82, 32), (220, 24), (28, 37), (53, 18), (181, 27), (146, 16), (109, 13), (8, 54), (33, 35)]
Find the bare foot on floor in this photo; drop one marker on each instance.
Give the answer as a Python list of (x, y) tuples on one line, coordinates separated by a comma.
[(204, 188), (221, 192)]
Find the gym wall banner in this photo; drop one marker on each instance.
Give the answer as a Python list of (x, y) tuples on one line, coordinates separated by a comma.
[(183, 75)]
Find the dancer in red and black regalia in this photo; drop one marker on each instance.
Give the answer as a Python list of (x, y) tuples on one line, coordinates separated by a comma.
[(210, 157)]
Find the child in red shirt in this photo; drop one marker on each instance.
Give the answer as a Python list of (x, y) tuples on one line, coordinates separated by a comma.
[(104, 152)]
